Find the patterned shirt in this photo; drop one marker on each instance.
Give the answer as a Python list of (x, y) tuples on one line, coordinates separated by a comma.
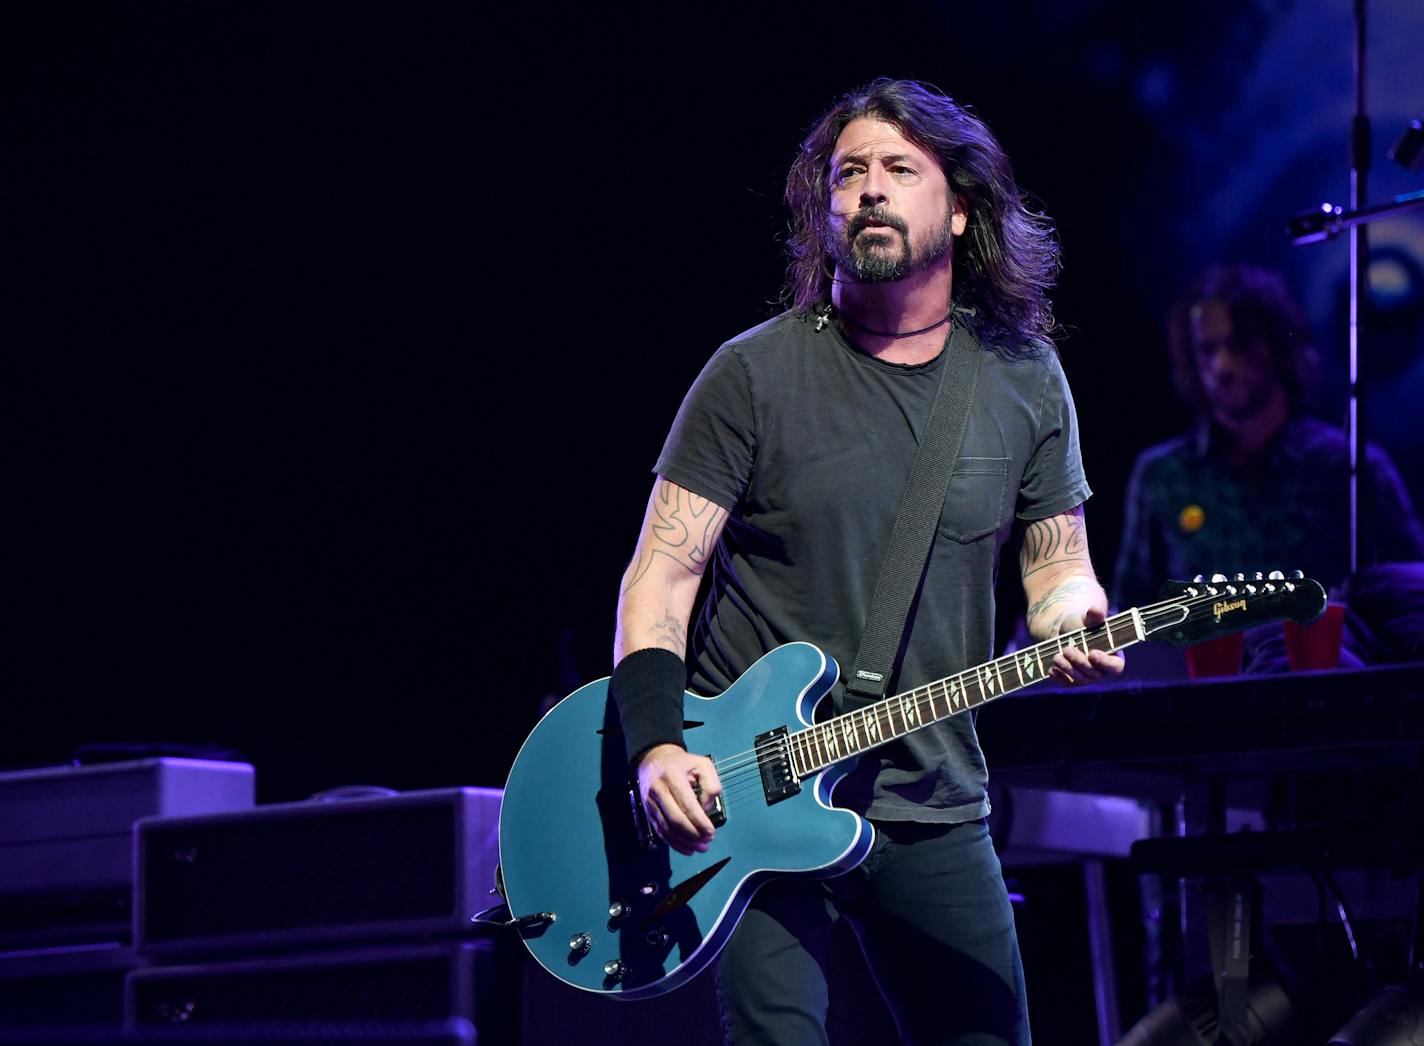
[(1189, 511)]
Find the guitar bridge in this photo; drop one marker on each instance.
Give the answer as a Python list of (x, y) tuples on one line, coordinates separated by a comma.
[(778, 778)]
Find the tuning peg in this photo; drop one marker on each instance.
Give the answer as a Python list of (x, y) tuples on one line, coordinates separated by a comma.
[(1276, 575), (1218, 579), (1258, 576), (1199, 579), (1239, 577), (1298, 575)]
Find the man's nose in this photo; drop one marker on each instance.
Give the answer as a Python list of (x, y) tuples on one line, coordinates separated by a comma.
[(1223, 367), (1217, 358), (872, 187)]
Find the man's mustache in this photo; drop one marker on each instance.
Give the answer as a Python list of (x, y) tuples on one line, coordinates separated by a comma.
[(863, 219)]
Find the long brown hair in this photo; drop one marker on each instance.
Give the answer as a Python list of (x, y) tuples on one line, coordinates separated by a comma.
[(1007, 259), (1260, 306)]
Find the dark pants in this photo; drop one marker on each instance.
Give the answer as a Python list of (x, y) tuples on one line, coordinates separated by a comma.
[(932, 916)]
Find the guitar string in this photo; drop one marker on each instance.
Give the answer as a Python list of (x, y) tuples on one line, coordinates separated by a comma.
[(740, 783), (740, 764), (729, 766)]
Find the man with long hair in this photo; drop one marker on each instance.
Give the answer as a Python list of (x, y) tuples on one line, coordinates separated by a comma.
[(784, 470), (1257, 483)]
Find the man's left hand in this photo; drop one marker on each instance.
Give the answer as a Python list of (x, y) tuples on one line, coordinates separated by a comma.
[(1072, 667)]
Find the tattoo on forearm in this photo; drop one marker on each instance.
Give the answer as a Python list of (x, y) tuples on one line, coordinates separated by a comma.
[(670, 634), (1053, 541), (683, 528), (1046, 617)]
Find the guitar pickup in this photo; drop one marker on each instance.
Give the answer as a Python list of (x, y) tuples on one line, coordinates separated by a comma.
[(718, 814), (778, 779), (647, 840)]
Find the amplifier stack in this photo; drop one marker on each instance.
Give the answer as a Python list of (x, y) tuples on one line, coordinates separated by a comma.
[(66, 879), (357, 913), (152, 901)]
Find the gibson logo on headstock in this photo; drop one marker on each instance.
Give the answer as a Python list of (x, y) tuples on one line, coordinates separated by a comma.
[(1219, 610)]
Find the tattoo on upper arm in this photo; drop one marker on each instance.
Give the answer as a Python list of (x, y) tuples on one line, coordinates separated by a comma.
[(1053, 541), (683, 526)]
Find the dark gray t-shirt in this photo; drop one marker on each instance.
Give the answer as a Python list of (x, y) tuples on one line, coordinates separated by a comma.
[(807, 442)]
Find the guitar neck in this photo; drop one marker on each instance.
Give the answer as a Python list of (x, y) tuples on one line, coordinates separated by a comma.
[(852, 733)]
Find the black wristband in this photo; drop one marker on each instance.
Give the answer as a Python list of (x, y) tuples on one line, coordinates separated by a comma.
[(647, 687)]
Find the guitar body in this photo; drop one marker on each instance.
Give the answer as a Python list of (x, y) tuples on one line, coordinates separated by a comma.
[(570, 843)]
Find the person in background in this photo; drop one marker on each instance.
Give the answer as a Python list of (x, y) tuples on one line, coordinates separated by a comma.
[(1257, 484)]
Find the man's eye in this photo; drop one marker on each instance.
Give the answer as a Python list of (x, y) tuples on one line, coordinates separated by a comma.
[(847, 174)]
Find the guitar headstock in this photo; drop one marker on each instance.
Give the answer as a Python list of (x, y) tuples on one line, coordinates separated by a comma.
[(1188, 612)]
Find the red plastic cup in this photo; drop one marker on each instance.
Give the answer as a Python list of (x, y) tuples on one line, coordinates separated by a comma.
[(1316, 645), (1215, 657)]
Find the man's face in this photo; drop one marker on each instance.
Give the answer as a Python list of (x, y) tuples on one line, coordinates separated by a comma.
[(1238, 377), (890, 205)]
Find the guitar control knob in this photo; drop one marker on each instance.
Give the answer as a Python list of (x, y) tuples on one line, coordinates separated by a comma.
[(1276, 575), (658, 938), (580, 943), (614, 970), (617, 910)]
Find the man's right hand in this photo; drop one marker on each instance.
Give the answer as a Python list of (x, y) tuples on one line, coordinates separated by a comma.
[(669, 781)]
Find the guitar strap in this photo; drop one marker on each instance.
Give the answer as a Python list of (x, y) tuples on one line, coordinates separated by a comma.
[(916, 519)]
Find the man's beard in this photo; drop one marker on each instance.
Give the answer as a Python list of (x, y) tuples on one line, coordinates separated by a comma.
[(866, 260), (1244, 403)]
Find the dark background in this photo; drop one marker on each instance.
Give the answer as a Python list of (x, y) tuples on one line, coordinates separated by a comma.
[(345, 335)]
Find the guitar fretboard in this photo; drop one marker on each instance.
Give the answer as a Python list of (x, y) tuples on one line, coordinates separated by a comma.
[(817, 747)]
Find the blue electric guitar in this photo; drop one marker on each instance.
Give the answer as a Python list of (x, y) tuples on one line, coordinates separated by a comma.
[(604, 905)]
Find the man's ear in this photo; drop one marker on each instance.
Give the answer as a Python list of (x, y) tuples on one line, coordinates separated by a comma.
[(960, 219)]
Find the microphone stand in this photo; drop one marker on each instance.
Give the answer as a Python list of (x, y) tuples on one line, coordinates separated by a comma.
[(1325, 223), (1331, 219), (1360, 479)]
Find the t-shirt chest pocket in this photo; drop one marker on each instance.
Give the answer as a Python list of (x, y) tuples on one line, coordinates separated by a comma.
[(974, 502)]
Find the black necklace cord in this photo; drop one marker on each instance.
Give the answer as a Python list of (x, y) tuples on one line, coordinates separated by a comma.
[(890, 334)]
